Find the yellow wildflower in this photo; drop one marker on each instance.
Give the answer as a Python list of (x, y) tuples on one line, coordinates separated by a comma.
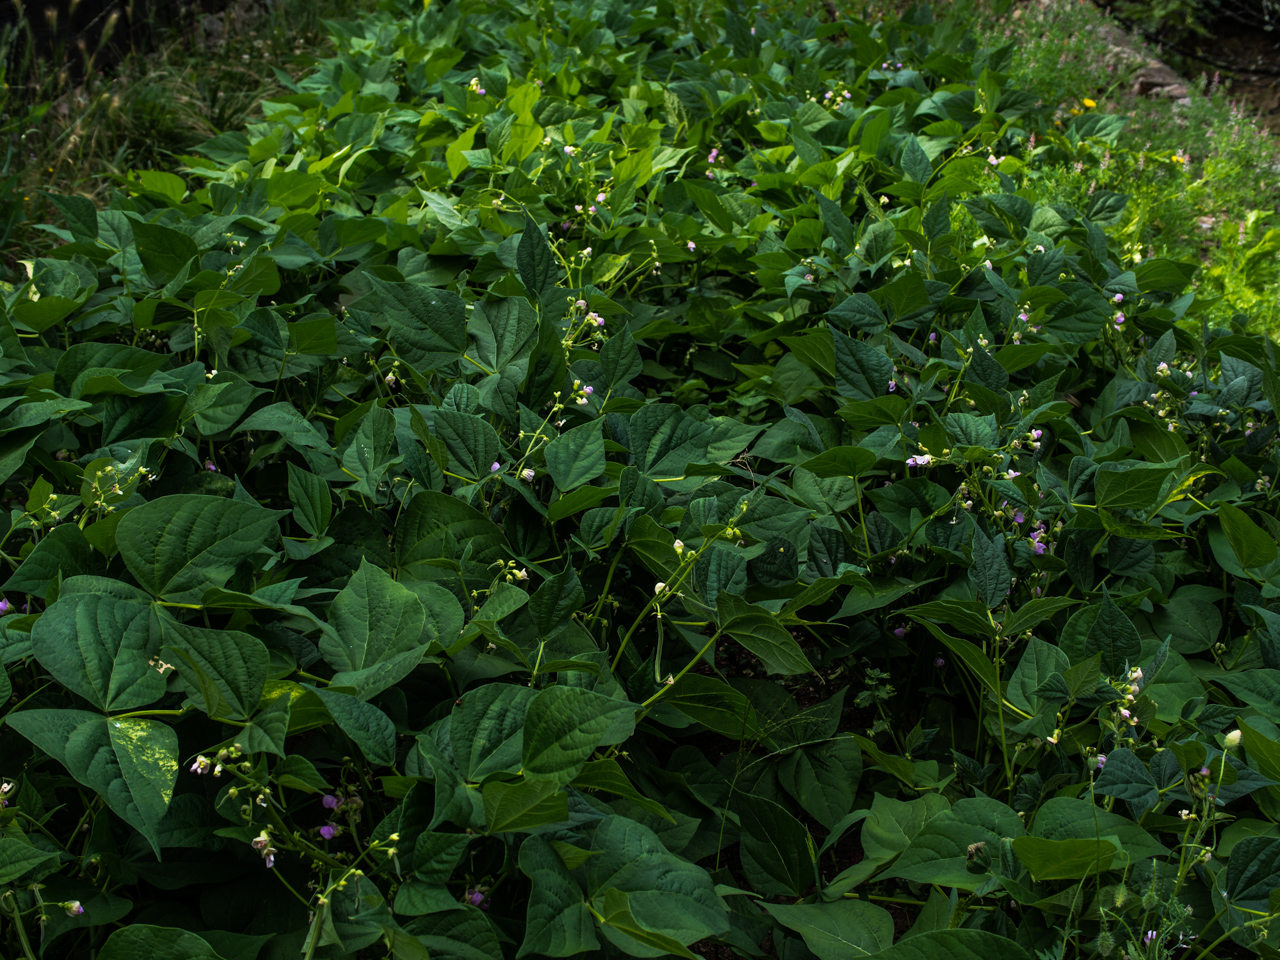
[(1088, 103)]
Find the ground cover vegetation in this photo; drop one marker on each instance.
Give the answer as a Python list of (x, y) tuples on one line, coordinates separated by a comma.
[(635, 480)]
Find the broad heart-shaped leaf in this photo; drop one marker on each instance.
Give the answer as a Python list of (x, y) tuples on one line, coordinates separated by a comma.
[(990, 571), (1067, 818), (1064, 859), (938, 853), (524, 805), (177, 547), (432, 523), (63, 551), (863, 372), (1126, 777), (667, 895), (374, 619), (1251, 544), (1102, 628), (101, 647), (486, 731), (620, 927), (454, 934), (368, 727), (1252, 876), (534, 260), (576, 456), (777, 851), (620, 358), (955, 945), (142, 941), (558, 923), (1131, 484), (428, 326), (758, 630), (132, 763), (823, 778), (312, 503), (838, 930), (564, 725), (225, 670), (16, 858), (556, 601), (472, 442), (716, 705)]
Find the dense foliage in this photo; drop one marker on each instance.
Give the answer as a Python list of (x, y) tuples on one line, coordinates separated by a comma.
[(606, 478)]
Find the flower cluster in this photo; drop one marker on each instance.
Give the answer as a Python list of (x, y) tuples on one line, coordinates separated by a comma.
[(262, 843)]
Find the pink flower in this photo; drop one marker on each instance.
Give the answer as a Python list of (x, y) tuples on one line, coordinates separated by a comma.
[(1102, 758), (208, 465), (588, 390), (1038, 549), (1037, 434), (600, 198), (481, 91), (1023, 317), (692, 246), (1118, 298), (710, 175), (592, 209)]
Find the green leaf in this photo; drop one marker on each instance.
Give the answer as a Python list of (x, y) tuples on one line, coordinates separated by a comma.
[(132, 763), (177, 547), (823, 778), (624, 931), (1033, 613), (759, 631), (576, 456), (534, 260), (838, 930), (777, 851), (556, 601), (939, 853), (428, 326), (163, 251), (1130, 485), (557, 923), (522, 806), (142, 941), (225, 670), (472, 442), (620, 358), (955, 945), (840, 462), (312, 503), (455, 935), (1064, 859), (862, 371), (1249, 542), (102, 648), (368, 727), (63, 551), (1107, 631), (17, 858), (300, 774), (1067, 818), (486, 729), (374, 619), (1126, 777), (990, 571), (564, 725), (716, 705), (608, 775)]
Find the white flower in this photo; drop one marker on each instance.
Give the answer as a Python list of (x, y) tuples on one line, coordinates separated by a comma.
[(679, 545), (658, 588)]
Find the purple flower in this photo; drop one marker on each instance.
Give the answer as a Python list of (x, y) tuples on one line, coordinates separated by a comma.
[(893, 385), (1204, 771), (588, 390), (921, 460), (495, 467), (1118, 298), (328, 831), (331, 802), (1038, 549), (5, 606), (939, 663), (1037, 434), (900, 633), (1019, 516), (1102, 758), (1151, 935), (933, 337), (476, 897), (208, 465)]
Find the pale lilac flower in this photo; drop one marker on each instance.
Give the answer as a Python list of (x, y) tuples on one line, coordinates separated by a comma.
[(588, 390), (900, 633), (1126, 714), (1023, 317), (527, 474), (848, 95), (1037, 434), (987, 264), (581, 304), (569, 151), (1010, 474), (1102, 759), (1151, 935), (328, 831), (933, 337), (202, 765), (495, 467), (592, 209), (893, 385), (1019, 516), (939, 663), (269, 860), (710, 175), (809, 277), (1118, 298), (330, 802), (476, 897), (600, 198), (692, 246), (1204, 771), (921, 460), (5, 606), (208, 465), (480, 91), (577, 207), (73, 908)]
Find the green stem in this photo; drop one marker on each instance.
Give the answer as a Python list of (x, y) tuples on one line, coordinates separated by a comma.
[(17, 925)]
